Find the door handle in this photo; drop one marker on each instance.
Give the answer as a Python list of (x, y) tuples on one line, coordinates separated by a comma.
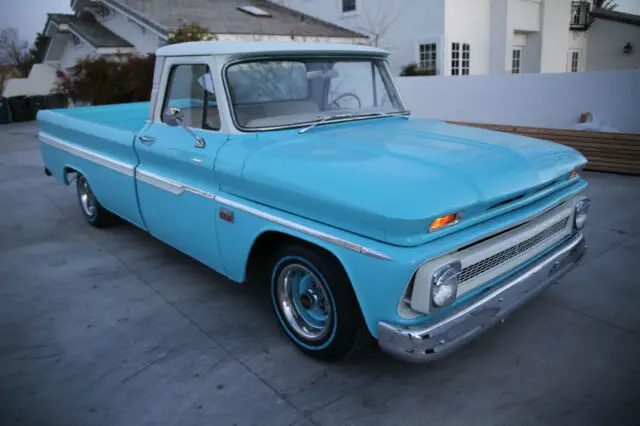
[(147, 139)]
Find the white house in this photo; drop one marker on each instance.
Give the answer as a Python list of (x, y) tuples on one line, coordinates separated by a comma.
[(117, 27), (459, 37), (614, 41)]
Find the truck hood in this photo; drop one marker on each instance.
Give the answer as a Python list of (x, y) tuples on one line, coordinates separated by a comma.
[(389, 178)]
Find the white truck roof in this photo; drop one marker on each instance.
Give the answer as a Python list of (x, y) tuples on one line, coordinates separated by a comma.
[(241, 48)]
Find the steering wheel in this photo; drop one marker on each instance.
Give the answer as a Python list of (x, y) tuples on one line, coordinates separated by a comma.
[(346, 95)]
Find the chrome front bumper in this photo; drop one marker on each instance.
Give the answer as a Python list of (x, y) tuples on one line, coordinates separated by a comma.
[(430, 341)]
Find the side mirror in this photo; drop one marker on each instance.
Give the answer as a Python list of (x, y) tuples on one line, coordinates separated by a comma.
[(174, 117)]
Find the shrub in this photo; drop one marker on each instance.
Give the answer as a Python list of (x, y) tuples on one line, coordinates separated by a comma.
[(120, 79), (190, 32), (102, 80), (412, 70)]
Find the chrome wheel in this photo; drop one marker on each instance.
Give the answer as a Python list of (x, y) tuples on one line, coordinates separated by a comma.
[(304, 302), (87, 199)]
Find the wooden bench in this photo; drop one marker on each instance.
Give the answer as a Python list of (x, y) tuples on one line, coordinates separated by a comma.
[(606, 152)]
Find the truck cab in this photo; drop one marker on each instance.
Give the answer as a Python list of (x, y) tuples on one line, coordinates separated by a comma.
[(298, 165)]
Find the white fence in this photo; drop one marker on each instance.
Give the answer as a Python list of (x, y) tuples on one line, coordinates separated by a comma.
[(537, 100)]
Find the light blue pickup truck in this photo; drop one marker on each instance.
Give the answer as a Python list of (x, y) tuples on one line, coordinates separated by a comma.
[(298, 165)]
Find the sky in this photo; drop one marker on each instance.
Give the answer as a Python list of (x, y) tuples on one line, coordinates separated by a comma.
[(29, 16)]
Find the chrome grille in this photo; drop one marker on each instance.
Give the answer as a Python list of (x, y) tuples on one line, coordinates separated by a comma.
[(497, 259)]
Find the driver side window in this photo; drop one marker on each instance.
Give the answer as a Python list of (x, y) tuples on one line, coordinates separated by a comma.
[(190, 89)]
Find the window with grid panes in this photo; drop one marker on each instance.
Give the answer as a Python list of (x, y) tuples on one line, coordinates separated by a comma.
[(575, 61), (460, 58), (428, 56), (466, 58), (516, 60)]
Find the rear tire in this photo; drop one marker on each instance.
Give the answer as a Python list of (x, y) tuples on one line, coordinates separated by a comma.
[(92, 210), (315, 303)]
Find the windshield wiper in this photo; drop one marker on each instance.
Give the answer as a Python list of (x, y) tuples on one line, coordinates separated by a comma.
[(353, 114), (404, 114), (325, 119)]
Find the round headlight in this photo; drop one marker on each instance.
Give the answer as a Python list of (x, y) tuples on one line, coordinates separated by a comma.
[(444, 284), (581, 212)]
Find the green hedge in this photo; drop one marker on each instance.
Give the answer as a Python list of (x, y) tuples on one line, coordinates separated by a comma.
[(102, 81), (121, 79)]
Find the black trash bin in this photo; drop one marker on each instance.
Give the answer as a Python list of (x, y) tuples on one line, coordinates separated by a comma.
[(20, 111), (5, 116), (57, 101), (36, 103)]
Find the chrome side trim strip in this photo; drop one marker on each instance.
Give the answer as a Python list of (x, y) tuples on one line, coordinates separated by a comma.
[(111, 163), (160, 182), (178, 188), (199, 192), (304, 229), (175, 188), (130, 170)]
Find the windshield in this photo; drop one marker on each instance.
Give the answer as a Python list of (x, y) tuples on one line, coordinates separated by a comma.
[(291, 92)]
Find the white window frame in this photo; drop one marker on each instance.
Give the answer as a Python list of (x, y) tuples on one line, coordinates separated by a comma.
[(226, 123), (460, 58), (517, 68), (466, 61), (574, 58), (433, 54)]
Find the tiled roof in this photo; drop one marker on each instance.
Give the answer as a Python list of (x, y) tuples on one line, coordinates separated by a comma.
[(224, 17), (90, 30)]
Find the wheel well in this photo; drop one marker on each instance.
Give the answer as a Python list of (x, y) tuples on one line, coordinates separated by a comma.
[(65, 173), (267, 243)]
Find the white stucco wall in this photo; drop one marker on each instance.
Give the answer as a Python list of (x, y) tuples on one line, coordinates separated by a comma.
[(144, 40), (577, 41), (532, 53), (57, 46), (468, 21), (555, 35), (73, 52), (408, 22), (498, 33), (492, 27), (41, 81), (606, 42), (541, 100), (524, 15)]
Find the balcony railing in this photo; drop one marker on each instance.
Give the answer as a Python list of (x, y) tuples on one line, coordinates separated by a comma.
[(580, 19)]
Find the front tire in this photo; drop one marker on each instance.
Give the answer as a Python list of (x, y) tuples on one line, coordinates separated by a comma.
[(93, 211), (315, 303)]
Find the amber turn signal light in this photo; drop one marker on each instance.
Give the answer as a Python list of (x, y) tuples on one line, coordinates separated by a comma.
[(442, 221), (573, 174)]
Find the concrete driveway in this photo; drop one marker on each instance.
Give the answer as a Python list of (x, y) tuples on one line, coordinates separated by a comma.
[(111, 327)]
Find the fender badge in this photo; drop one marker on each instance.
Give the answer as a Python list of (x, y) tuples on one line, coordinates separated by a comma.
[(226, 215)]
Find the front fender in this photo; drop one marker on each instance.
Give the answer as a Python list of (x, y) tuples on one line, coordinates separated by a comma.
[(378, 283)]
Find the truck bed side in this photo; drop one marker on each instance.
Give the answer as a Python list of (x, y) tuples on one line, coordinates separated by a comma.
[(99, 143)]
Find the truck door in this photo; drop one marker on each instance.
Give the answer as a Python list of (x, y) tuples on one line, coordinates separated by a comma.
[(175, 178)]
